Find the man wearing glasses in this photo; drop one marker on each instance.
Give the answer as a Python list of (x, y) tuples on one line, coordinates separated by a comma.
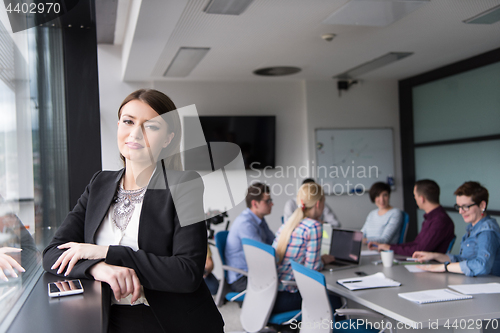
[(437, 229), (249, 224)]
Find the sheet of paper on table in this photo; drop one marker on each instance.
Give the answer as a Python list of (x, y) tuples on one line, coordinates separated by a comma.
[(414, 269), (369, 253), (479, 288), (378, 280)]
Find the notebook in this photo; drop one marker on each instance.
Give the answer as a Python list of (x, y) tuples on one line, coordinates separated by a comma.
[(345, 246), (378, 280), (432, 296)]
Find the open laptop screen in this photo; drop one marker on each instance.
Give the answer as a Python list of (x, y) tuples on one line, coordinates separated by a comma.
[(346, 245)]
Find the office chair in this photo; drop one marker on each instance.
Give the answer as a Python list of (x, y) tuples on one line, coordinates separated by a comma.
[(224, 291), (450, 247), (262, 289), (316, 305), (404, 228)]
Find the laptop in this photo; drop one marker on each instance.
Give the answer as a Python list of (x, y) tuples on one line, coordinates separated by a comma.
[(345, 246)]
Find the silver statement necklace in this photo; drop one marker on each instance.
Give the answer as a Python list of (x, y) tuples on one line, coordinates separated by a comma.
[(125, 205)]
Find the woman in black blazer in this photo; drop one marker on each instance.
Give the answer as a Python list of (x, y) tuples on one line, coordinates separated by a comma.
[(155, 257)]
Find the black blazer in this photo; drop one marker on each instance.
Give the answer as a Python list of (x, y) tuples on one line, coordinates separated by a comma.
[(170, 260)]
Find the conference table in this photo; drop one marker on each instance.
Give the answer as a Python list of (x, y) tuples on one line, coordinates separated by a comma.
[(471, 314)]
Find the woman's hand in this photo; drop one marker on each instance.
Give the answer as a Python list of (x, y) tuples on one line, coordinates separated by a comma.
[(122, 280), (422, 256), (8, 263), (75, 252), (209, 266), (378, 246), (327, 258)]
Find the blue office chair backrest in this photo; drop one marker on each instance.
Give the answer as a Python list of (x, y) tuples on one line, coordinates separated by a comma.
[(450, 247), (262, 285), (220, 242), (404, 228), (316, 306), (312, 274), (224, 289), (315, 303)]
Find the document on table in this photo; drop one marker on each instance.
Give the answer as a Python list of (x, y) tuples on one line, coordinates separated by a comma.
[(378, 280), (369, 253), (432, 296), (479, 288), (414, 269)]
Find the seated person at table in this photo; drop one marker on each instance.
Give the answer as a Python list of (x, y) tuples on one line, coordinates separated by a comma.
[(249, 224), (480, 246), (437, 229), (210, 279), (299, 239), (328, 216), (383, 224)]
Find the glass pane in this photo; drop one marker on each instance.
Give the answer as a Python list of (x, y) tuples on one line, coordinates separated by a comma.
[(460, 106), (33, 156), (49, 133), (16, 181), (452, 165)]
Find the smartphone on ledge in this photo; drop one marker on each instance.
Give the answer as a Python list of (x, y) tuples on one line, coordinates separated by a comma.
[(65, 288)]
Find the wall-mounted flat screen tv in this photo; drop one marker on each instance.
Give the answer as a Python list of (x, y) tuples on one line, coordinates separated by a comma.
[(255, 135)]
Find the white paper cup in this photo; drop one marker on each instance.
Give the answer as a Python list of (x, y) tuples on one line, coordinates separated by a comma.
[(387, 257)]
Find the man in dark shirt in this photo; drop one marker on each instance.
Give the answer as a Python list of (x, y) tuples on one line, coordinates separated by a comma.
[(437, 229)]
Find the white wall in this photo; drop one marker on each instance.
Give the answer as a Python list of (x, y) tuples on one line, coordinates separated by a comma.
[(300, 107), (285, 100), (112, 91), (366, 105)]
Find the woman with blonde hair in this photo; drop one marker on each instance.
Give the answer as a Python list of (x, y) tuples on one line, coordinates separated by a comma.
[(299, 239)]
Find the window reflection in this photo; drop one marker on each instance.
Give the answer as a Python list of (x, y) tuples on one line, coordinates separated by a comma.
[(33, 156)]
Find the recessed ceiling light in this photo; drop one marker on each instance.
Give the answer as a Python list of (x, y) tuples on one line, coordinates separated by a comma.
[(277, 71), (227, 7), (488, 17), (328, 37), (373, 64), (186, 59), (379, 13)]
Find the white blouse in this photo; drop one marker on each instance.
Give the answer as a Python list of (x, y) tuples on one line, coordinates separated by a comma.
[(109, 234)]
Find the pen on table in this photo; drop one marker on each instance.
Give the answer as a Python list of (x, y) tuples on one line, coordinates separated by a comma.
[(353, 281)]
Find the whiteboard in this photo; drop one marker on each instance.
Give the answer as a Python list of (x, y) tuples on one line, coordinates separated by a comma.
[(349, 161)]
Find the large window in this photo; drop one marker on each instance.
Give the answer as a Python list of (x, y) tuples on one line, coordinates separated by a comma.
[(451, 131), (33, 156), (49, 101)]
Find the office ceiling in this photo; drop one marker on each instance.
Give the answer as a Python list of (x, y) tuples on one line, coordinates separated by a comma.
[(288, 33)]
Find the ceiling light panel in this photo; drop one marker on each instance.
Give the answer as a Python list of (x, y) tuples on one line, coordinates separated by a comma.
[(186, 59), (377, 13), (373, 64), (227, 7), (488, 17)]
